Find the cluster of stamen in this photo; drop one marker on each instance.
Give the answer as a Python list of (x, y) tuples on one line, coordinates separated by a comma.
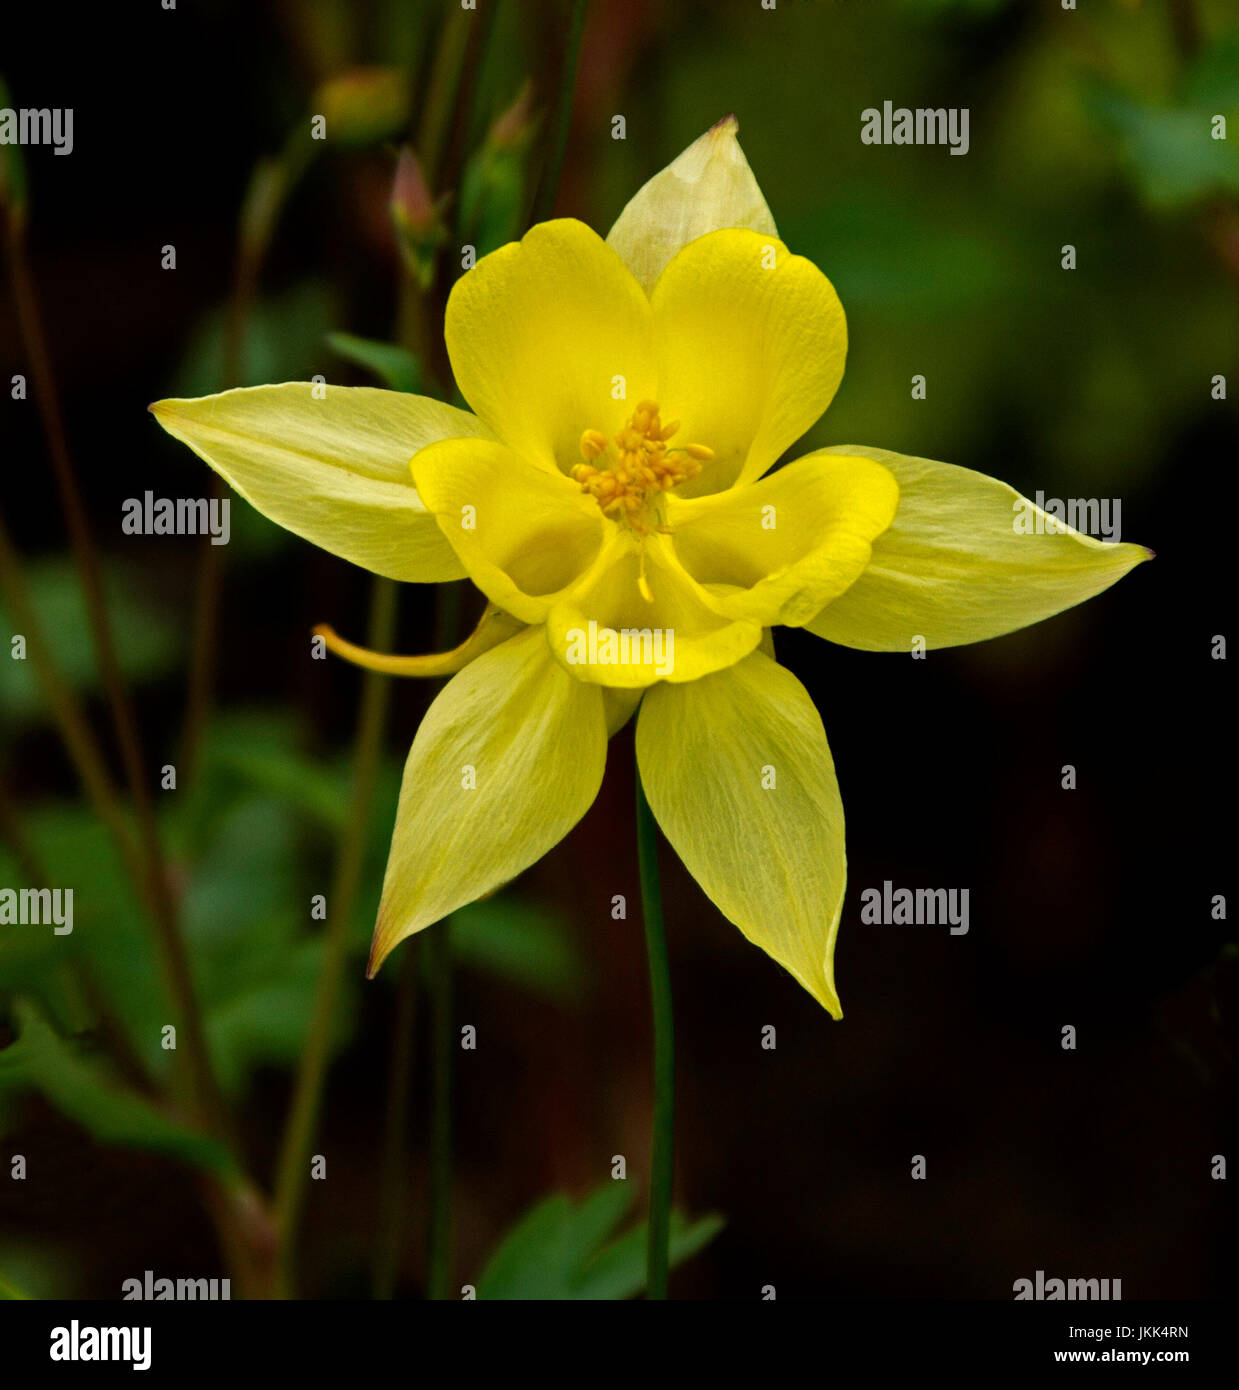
[(640, 467)]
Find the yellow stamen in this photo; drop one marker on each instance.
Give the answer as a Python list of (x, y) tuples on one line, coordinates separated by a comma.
[(643, 584), (642, 466), (593, 443)]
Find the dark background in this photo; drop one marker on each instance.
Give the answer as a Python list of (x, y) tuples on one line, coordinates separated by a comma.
[(1089, 907)]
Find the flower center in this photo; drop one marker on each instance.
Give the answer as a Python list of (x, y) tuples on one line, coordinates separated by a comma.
[(626, 473)]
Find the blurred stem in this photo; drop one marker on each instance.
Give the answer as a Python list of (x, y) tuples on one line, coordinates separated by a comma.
[(302, 1124), (549, 185), (1185, 26), (178, 977), (236, 1209), (464, 128), (662, 1158), (66, 711), (268, 190), (445, 78), (399, 1081), (438, 951)]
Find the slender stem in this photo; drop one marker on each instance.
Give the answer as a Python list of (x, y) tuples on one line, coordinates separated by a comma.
[(269, 187), (66, 710), (662, 1157), (174, 958), (549, 186), (302, 1121), (235, 1206), (445, 78), (399, 1081), (439, 1247)]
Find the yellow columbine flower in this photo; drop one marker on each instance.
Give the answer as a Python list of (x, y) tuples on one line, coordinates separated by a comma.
[(612, 496)]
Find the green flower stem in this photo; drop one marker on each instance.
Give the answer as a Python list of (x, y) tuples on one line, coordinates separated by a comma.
[(399, 1083), (439, 1245), (302, 1124), (662, 1158), (549, 186), (445, 76)]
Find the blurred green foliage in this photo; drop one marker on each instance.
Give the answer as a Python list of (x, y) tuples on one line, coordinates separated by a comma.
[(149, 641), (563, 1249), (1091, 128)]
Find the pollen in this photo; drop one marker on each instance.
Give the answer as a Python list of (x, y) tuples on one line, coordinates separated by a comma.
[(627, 472)]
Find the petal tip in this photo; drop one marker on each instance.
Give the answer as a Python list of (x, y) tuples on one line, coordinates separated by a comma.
[(379, 952)]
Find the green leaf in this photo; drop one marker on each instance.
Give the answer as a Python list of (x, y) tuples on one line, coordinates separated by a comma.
[(315, 791), (1213, 84), (525, 943), (1170, 151), (394, 366), (111, 937), (619, 1271), (257, 955), (559, 1249), (266, 1019), (149, 640), (492, 198), (282, 334), (78, 1084)]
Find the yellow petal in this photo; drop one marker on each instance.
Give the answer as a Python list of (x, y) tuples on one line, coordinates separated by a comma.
[(707, 187), (740, 778), (778, 550), (953, 567), (620, 706), (606, 631), (751, 343), (544, 334), (334, 471), (524, 534), (507, 760)]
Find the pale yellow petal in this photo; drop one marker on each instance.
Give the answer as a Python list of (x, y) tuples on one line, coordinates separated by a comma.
[(739, 776), (707, 187), (333, 470), (966, 558), (507, 760)]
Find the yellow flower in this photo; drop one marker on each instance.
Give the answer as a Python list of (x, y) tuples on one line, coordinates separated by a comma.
[(612, 496)]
